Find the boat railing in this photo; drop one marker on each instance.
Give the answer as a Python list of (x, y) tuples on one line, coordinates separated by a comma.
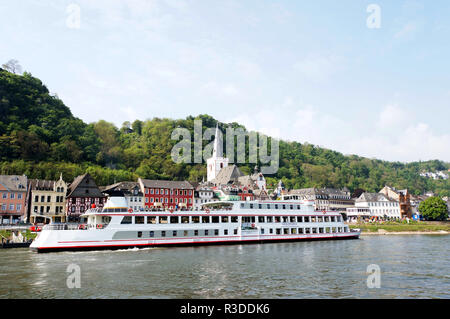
[(62, 227)]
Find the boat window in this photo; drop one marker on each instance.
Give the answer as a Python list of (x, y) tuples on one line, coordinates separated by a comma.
[(307, 230), (300, 230), (174, 233), (224, 219), (185, 219), (118, 210), (332, 219), (234, 219), (196, 219), (284, 206), (235, 231), (215, 219), (285, 231), (225, 231), (261, 219), (314, 230), (259, 206), (242, 205), (299, 219), (278, 231), (262, 231), (320, 230), (185, 233), (152, 234), (139, 220), (216, 232), (174, 219), (163, 219), (277, 219), (306, 218), (285, 219), (291, 206), (139, 234), (268, 206), (269, 219), (319, 219), (126, 220), (251, 206), (276, 206), (163, 233), (106, 219), (206, 232), (298, 207), (293, 230), (196, 232), (205, 219), (271, 231), (292, 219), (313, 219), (151, 219)]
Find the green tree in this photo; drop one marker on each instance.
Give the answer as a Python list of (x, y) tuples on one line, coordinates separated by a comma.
[(434, 208)]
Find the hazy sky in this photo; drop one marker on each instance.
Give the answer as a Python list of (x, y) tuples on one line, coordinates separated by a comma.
[(300, 70)]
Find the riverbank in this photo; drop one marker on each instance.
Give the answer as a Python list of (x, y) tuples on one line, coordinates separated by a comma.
[(6, 234), (398, 228)]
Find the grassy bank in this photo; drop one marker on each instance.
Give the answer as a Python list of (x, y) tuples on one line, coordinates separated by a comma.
[(25, 233), (413, 226)]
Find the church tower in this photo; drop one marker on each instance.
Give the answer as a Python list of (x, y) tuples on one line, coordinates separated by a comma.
[(217, 161)]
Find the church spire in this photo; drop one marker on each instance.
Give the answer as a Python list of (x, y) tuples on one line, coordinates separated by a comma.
[(218, 147)]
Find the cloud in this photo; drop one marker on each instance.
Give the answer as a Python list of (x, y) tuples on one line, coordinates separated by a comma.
[(391, 135)]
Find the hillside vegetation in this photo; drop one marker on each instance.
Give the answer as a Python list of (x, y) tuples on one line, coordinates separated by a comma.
[(40, 137)]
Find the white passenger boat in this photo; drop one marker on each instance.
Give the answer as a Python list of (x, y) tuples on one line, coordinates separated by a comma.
[(224, 222)]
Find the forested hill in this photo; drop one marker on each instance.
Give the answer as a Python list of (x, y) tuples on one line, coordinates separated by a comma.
[(41, 138)]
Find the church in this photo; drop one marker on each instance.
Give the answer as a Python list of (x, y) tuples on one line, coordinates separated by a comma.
[(220, 174)]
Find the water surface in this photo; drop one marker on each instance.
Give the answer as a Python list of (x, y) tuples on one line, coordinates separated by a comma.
[(412, 266)]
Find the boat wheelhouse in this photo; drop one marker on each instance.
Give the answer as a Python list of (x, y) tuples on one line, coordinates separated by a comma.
[(116, 226)]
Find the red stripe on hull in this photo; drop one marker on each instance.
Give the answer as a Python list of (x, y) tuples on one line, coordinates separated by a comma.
[(199, 243)]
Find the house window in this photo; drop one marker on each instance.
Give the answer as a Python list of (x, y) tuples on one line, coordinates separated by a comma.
[(13, 195)]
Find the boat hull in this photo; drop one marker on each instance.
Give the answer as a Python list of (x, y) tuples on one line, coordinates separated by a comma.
[(128, 245)]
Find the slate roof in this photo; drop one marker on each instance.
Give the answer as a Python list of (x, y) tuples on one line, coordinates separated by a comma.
[(373, 197), (148, 183), (14, 182), (43, 185), (228, 174), (82, 183)]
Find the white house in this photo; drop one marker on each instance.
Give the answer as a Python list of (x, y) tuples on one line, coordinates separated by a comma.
[(379, 205)]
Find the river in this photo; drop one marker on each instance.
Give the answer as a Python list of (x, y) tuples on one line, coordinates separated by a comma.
[(411, 266)]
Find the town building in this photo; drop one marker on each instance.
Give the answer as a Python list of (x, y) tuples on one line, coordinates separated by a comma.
[(203, 194), (339, 199), (131, 191), (82, 194), (47, 201), (167, 194), (380, 205), (13, 193), (402, 197), (319, 196), (357, 213)]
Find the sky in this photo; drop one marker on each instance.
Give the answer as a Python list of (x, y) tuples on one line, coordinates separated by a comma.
[(338, 74)]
